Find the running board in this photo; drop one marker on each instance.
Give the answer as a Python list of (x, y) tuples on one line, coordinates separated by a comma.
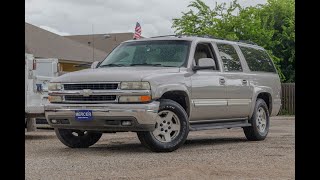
[(206, 125)]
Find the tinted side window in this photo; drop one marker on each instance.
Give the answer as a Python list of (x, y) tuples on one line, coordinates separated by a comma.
[(204, 50), (230, 58), (257, 60)]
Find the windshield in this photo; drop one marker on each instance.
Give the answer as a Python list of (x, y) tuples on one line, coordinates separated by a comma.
[(149, 53)]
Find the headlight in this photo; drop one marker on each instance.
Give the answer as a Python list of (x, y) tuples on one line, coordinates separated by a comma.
[(134, 98), (54, 86), (135, 85), (54, 99)]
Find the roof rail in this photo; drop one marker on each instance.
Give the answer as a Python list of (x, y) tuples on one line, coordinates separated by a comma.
[(209, 36), (164, 35), (206, 36), (213, 37), (187, 35), (247, 41)]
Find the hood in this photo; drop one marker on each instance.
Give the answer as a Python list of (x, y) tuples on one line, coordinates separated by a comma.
[(114, 74)]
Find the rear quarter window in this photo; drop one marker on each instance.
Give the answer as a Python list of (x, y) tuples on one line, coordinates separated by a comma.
[(257, 59)]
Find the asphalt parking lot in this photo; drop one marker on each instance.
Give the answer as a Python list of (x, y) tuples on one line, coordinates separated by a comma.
[(211, 154)]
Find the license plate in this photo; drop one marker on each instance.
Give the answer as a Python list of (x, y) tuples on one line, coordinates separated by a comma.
[(83, 115)]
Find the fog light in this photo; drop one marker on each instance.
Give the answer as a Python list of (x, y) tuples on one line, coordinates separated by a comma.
[(126, 123), (54, 121), (64, 121)]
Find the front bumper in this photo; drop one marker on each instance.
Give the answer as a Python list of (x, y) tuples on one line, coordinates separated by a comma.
[(35, 109), (106, 117)]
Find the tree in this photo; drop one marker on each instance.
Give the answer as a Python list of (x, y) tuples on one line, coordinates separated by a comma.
[(271, 25)]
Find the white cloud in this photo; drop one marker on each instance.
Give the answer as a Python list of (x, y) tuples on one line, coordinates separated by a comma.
[(77, 16)]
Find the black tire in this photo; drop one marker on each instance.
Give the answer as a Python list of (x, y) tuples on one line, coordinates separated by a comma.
[(252, 132), (83, 140), (148, 139)]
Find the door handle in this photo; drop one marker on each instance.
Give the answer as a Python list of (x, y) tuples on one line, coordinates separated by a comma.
[(222, 81), (244, 81)]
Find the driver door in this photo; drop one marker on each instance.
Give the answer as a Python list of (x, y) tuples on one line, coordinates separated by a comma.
[(209, 93)]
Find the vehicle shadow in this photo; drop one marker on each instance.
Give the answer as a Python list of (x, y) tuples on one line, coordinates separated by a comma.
[(213, 141), (122, 147), (38, 137)]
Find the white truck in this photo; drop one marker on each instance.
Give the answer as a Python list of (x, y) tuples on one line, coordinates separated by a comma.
[(38, 73)]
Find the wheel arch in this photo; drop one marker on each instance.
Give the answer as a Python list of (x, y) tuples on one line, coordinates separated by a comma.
[(178, 94), (264, 94)]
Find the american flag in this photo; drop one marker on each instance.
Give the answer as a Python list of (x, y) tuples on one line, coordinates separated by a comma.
[(137, 34)]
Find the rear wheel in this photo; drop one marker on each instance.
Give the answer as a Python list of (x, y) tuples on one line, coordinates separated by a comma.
[(171, 128), (77, 138), (260, 121)]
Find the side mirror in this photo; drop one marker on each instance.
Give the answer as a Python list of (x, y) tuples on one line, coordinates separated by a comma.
[(95, 64), (205, 63)]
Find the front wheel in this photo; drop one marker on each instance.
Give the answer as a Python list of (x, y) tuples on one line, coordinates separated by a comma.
[(171, 128), (260, 121), (77, 138)]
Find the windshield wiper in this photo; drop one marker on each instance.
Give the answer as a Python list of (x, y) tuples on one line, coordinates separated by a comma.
[(111, 65), (146, 64), (137, 64)]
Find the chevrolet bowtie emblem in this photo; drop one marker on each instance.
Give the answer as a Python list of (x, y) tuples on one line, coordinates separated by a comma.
[(86, 92)]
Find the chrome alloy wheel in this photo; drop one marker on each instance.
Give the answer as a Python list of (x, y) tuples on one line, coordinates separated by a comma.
[(261, 120), (167, 126)]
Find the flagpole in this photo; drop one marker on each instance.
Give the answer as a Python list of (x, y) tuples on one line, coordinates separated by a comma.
[(92, 44)]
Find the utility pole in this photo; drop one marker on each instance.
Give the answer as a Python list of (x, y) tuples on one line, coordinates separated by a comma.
[(92, 44)]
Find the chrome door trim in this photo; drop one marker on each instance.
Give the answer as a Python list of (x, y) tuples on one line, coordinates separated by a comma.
[(209, 102), (232, 102), (220, 102)]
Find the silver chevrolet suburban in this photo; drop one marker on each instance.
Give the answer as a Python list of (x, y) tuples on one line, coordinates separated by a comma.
[(162, 88)]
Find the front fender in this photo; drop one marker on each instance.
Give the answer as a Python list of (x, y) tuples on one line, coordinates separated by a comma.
[(160, 90)]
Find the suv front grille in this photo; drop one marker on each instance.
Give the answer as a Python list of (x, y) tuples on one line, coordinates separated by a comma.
[(90, 98), (104, 86)]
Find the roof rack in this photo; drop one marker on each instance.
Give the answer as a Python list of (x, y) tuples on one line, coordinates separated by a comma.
[(187, 35), (164, 35), (247, 41), (206, 36), (213, 37)]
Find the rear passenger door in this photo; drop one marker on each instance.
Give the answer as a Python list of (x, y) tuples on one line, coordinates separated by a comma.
[(263, 74), (239, 91)]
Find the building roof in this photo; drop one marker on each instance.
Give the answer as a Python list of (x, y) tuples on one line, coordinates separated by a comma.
[(45, 44), (105, 42)]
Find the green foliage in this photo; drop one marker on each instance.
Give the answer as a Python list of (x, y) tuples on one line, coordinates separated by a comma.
[(271, 25)]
